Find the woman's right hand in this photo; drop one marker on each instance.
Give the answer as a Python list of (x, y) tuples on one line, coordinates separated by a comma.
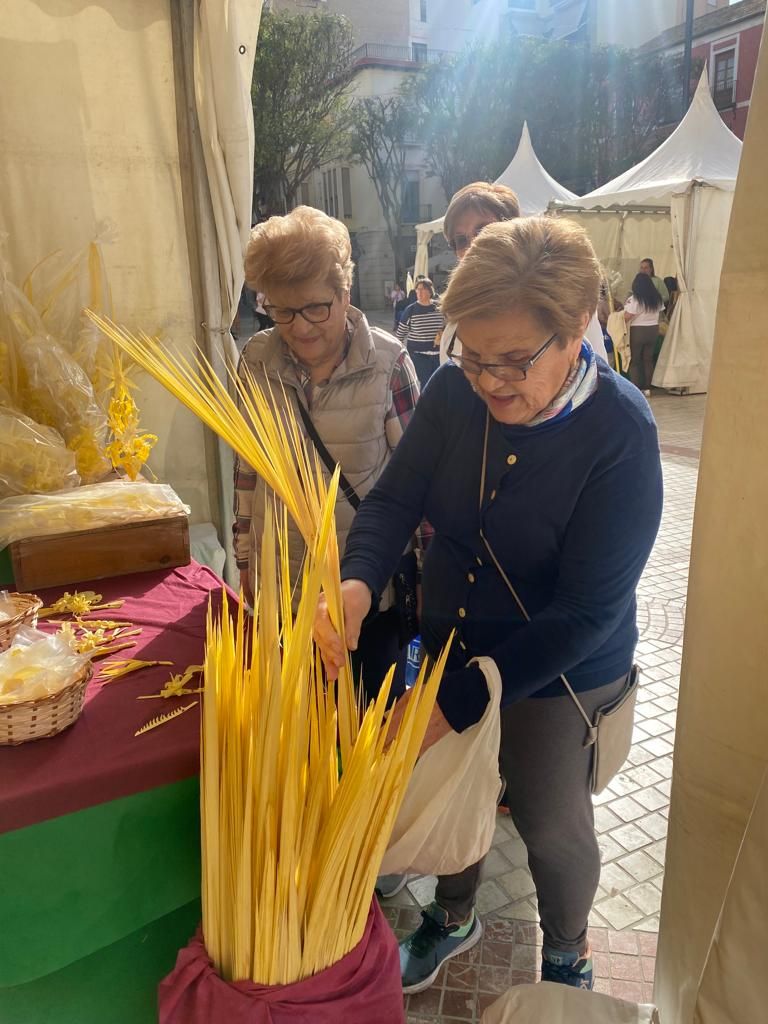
[(356, 600)]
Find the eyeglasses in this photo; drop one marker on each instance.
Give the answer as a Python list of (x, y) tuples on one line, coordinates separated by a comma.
[(314, 313), (464, 241), (501, 371)]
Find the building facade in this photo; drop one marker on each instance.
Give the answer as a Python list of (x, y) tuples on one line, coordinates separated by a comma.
[(393, 39), (727, 41)]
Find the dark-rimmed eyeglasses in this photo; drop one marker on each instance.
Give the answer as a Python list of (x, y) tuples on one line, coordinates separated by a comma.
[(314, 313), (501, 371)]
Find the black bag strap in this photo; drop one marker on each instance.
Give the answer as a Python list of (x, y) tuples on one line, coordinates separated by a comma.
[(347, 489)]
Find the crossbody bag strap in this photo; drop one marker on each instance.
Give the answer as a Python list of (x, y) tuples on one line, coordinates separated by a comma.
[(592, 734), (347, 489)]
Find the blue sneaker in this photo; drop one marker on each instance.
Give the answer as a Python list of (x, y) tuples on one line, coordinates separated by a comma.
[(424, 952), (574, 969)]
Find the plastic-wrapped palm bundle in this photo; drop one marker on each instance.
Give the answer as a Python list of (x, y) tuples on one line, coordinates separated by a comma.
[(60, 287), (58, 393), (87, 508), (33, 458), (53, 389), (37, 665)]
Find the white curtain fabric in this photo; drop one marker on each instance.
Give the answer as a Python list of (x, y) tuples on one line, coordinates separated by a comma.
[(89, 137), (622, 238), (717, 848), (734, 983), (90, 130), (699, 227), (225, 45), (224, 49)]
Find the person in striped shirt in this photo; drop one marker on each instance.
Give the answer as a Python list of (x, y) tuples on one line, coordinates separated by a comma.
[(420, 329)]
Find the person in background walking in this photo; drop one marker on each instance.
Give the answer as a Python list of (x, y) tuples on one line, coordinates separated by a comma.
[(396, 297), (641, 311), (647, 268), (420, 329)]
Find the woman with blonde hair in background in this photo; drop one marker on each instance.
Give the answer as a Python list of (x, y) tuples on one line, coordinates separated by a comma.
[(351, 386)]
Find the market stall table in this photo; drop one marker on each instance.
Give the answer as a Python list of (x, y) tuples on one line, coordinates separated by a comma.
[(99, 829)]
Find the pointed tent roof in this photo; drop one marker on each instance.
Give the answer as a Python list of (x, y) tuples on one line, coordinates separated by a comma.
[(701, 148), (535, 188)]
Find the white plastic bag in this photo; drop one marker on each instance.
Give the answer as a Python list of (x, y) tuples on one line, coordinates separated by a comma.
[(549, 1003), (448, 817)]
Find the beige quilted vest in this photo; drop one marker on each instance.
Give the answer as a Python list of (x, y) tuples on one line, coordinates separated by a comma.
[(348, 414)]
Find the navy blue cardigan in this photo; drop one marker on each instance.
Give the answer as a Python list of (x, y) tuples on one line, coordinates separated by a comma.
[(571, 509)]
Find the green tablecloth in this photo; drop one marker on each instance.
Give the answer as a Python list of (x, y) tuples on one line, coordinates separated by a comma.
[(116, 985), (119, 879)]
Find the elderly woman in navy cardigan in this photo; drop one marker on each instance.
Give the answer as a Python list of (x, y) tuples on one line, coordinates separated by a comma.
[(536, 442)]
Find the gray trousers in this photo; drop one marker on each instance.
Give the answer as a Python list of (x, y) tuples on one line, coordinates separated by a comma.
[(547, 771), (642, 345)]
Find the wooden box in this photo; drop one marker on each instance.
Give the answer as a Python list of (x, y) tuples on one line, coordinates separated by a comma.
[(61, 559)]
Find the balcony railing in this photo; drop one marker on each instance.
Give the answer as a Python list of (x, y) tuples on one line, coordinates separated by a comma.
[(416, 214), (382, 53)]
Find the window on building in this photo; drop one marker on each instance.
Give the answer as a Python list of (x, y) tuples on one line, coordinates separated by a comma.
[(346, 192), (419, 51), (410, 213), (423, 10), (724, 77), (331, 193), (305, 194)]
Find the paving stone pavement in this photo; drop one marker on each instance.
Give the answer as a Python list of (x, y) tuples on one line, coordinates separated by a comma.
[(630, 816)]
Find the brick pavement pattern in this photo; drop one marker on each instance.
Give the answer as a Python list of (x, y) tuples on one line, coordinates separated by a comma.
[(630, 816)]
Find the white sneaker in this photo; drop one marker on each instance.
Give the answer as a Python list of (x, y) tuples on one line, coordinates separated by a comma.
[(647, 394), (388, 886)]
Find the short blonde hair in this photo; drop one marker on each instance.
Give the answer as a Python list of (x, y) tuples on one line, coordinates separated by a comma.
[(304, 246), (544, 266), (497, 201)]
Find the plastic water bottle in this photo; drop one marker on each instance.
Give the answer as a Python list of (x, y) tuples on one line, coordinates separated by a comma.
[(412, 662)]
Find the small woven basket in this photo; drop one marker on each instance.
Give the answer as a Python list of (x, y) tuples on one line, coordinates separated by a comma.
[(27, 606), (37, 719)]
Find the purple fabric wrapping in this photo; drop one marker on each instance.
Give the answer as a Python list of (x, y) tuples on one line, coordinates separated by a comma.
[(364, 987)]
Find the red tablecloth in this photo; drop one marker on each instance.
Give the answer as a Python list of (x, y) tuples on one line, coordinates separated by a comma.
[(98, 758)]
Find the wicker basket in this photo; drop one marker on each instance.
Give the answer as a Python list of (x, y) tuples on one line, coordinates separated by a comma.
[(27, 607), (36, 719)]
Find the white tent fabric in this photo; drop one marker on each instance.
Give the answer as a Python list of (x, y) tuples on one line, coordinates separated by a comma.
[(97, 128), (693, 172), (701, 148), (535, 189)]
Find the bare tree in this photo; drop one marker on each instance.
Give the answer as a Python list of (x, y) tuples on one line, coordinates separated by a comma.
[(378, 141)]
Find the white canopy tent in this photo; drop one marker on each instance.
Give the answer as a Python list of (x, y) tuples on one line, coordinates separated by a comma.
[(535, 189), (139, 115), (675, 202)]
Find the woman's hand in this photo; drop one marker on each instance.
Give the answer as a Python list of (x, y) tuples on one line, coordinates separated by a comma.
[(437, 727), (356, 599)]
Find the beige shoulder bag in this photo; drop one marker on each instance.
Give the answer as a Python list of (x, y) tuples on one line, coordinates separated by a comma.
[(610, 734)]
